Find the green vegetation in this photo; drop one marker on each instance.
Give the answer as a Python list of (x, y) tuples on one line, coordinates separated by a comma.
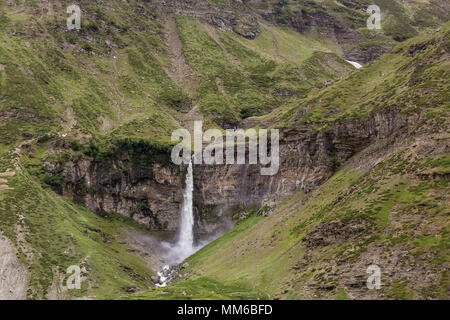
[(411, 79), (262, 254), (238, 79), (111, 90), (52, 233), (391, 201), (198, 289)]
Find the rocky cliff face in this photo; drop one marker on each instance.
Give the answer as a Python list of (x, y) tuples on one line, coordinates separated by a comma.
[(229, 16), (307, 159), (150, 194)]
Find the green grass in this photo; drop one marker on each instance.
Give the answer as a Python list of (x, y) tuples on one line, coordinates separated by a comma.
[(341, 295), (102, 92), (409, 84), (260, 253), (399, 290), (198, 289), (59, 234), (118, 98), (239, 79)]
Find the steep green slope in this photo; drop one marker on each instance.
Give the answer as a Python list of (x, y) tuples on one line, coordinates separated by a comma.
[(86, 82), (393, 215), (51, 234), (120, 69), (412, 78), (235, 81), (272, 257), (346, 21)]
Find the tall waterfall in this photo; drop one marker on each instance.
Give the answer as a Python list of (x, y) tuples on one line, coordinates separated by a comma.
[(185, 244), (184, 247)]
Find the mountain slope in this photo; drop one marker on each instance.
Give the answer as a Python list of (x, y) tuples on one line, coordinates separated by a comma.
[(118, 71), (50, 234), (387, 205), (87, 116), (122, 63)]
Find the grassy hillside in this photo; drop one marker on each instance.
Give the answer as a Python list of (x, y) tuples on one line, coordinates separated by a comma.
[(387, 206), (75, 82), (112, 80), (401, 222), (137, 71), (117, 73), (404, 220), (412, 78), (237, 79), (401, 20), (51, 234)]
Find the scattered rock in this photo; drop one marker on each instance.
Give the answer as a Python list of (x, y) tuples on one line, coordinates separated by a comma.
[(155, 279), (331, 232), (132, 289), (416, 48)]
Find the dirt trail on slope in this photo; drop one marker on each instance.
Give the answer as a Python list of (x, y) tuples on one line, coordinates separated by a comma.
[(180, 72), (13, 274), (3, 181), (212, 33), (278, 56)]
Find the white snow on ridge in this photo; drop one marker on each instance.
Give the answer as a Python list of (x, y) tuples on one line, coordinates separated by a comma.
[(355, 64)]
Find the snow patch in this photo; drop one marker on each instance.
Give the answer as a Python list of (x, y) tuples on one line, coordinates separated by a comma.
[(355, 64)]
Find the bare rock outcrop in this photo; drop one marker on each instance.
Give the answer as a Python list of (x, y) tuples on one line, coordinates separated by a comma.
[(150, 194), (307, 159), (332, 232), (13, 274)]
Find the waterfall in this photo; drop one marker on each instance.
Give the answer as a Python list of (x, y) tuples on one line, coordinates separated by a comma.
[(185, 244), (184, 247)]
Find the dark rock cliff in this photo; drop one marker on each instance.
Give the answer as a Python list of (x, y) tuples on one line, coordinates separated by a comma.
[(152, 194), (307, 159)]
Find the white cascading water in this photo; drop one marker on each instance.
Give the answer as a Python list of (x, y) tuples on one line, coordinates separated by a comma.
[(185, 244)]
